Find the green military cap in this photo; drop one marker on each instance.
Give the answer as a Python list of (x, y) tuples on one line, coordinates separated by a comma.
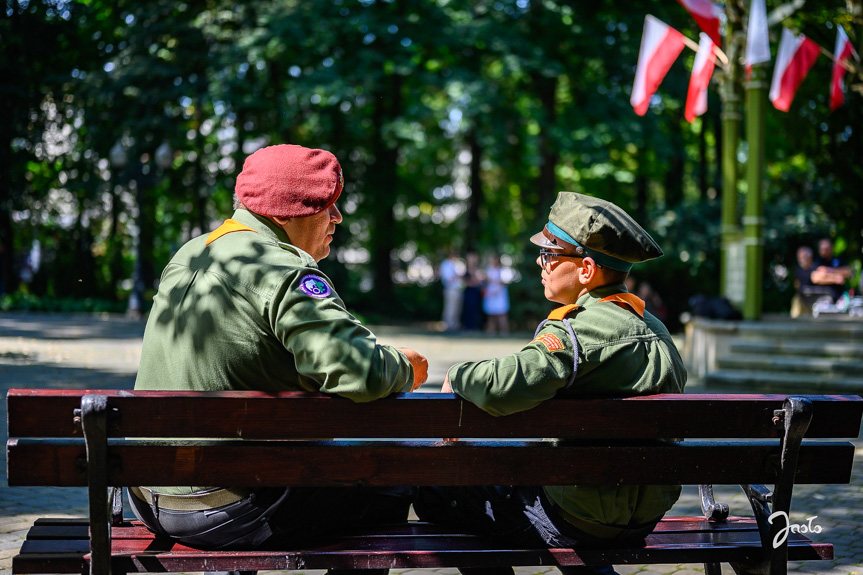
[(584, 225)]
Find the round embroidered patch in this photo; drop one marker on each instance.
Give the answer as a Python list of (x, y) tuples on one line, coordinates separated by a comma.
[(315, 286)]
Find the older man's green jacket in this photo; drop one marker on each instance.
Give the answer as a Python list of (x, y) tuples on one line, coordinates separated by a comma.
[(243, 309), (621, 351)]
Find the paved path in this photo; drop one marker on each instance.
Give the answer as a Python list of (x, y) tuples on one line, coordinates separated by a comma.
[(61, 351)]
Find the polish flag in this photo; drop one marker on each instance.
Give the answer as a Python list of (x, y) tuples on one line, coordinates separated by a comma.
[(841, 53), (757, 37), (660, 47), (707, 15), (702, 69), (793, 60)]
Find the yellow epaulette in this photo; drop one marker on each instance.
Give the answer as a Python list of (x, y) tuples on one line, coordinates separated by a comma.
[(226, 228), (562, 311), (627, 300)]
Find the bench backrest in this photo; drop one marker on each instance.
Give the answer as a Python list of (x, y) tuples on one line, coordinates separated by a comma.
[(151, 439)]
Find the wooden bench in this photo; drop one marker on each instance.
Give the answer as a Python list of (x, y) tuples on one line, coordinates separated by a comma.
[(95, 439)]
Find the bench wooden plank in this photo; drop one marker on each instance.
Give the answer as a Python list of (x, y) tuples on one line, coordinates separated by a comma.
[(63, 528), (420, 545), (407, 463), (47, 413)]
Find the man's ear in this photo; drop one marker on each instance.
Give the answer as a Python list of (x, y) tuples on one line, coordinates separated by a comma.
[(280, 220)]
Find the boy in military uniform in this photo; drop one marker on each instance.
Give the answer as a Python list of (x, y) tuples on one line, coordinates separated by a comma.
[(600, 342), (246, 308)]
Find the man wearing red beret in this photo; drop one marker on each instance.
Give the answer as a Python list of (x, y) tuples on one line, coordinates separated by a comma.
[(246, 308)]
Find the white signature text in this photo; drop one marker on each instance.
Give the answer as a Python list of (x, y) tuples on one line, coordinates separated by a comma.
[(782, 535)]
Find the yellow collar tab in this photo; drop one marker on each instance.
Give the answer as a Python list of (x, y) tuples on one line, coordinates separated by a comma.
[(226, 228), (627, 300)]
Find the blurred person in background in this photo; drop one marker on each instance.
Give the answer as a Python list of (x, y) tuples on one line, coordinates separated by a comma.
[(495, 298)]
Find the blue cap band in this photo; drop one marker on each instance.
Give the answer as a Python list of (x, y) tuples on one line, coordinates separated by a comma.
[(600, 258)]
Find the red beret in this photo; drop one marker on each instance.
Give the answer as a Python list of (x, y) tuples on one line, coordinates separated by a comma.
[(289, 181)]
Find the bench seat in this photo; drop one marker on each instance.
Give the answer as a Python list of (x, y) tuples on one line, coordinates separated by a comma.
[(62, 546), (108, 440)]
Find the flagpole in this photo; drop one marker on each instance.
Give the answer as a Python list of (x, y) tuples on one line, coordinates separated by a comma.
[(693, 45), (843, 63)]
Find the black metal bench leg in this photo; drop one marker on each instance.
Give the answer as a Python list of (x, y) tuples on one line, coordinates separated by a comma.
[(795, 417), (712, 569), (794, 420), (93, 416)]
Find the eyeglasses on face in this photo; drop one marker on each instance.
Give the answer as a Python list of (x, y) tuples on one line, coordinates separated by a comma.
[(547, 256)]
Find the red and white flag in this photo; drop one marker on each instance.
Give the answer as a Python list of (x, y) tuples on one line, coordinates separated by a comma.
[(702, 69), (660, 46), (794, 58), (841, 53), (757, 36), (707, 15)]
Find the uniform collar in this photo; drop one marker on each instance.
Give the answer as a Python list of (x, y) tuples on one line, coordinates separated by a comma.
[(261, 225), (273, 233), (599, 293)]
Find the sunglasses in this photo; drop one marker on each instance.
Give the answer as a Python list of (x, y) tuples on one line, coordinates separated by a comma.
[(546, 256)]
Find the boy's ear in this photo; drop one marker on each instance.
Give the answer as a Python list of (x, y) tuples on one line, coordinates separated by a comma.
[(588, 270)]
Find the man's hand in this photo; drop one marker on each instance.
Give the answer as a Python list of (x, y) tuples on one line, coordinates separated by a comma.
[(420, 365)]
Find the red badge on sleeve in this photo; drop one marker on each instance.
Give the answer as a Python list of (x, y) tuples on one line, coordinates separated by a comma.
[(550, 341)]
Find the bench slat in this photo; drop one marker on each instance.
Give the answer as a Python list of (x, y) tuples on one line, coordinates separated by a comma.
[(79, 529), (47, 413), (422, 546), (424, 463)]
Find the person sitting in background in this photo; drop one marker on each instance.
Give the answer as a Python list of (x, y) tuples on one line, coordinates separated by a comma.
[(806, 291), (830, 270)]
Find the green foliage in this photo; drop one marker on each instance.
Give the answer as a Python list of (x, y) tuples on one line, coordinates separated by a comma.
[(456, 124), (32, 303)]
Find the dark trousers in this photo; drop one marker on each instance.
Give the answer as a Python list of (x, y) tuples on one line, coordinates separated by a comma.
[(520, 515), (279, 518)]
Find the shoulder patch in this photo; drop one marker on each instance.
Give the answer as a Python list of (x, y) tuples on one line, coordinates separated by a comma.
[(315, 286), (550, 341)]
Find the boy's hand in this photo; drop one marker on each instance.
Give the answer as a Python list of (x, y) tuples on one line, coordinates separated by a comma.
[(447, 388)]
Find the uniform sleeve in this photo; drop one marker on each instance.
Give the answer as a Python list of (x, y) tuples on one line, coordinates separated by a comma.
[(519, 381), (331, 348)]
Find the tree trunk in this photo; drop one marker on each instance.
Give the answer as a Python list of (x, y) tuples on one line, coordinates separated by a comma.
[(717, 166), (702, 159), (676, 164), (546, 89), (12, 110), (382, 188), (474, 225)]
